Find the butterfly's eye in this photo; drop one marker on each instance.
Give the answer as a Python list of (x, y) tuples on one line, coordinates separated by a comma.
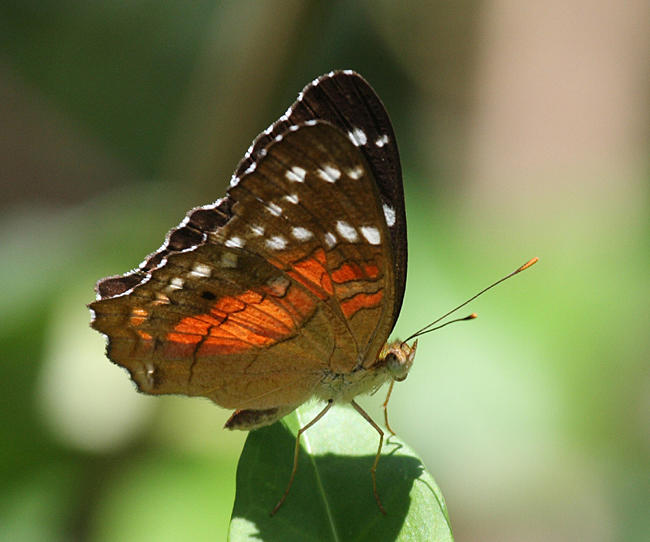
[(398, 359), (397, 365)]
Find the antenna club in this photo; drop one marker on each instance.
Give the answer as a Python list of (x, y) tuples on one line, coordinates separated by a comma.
[(528, 264), (472, 316)]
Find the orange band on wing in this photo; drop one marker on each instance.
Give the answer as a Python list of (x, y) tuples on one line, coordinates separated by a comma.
[(220, 346), (184, 338), (361, 301), (312, 274), (238, 323), (138, 316), (353, 271)]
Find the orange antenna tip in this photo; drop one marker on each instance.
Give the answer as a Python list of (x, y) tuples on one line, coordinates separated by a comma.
[(429, 327), (528, 264)]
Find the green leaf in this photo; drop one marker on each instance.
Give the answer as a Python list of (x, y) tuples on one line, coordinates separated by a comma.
[(331, 498)]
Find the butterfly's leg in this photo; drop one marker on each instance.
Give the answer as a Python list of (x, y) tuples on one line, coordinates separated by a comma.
[(373, 469), (295, 453), (385, 407)]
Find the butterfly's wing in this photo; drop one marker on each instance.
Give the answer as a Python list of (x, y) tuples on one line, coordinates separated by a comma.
[(253, 300), (346, 100)]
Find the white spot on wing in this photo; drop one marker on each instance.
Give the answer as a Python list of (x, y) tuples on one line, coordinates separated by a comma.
[(381, 141), (346, 231), (355, 172), (250, 168), (389, 213), (302, 234), (201, 270), (330, 239), (358, 137), (371, 234), (329, 173), (277, 242), (292, 198), (149, 374), (274, 209), (176, 283), (235, 242), (234, 181), (257, 230), (296, 174)]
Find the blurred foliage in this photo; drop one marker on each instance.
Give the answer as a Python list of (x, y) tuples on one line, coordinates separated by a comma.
[(118, 116)]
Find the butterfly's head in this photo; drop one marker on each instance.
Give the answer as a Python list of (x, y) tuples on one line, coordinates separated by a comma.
[(398, 357)]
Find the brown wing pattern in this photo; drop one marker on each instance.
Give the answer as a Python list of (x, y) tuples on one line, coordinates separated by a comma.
[(346, 100), (220, 323), (253, 300), (315, 194)]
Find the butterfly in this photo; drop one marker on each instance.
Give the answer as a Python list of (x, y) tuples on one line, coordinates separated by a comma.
[(289, 286)]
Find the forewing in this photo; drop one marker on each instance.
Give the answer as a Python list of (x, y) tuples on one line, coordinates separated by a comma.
[(346, 100)]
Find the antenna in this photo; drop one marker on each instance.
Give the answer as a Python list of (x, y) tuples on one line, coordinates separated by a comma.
[(428, 327)]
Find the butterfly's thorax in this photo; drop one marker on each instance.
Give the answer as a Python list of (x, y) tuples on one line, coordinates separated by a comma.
[(343, 387), (393, 363)]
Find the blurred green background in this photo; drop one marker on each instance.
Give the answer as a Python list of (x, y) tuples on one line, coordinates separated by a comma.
[(523, 129)]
